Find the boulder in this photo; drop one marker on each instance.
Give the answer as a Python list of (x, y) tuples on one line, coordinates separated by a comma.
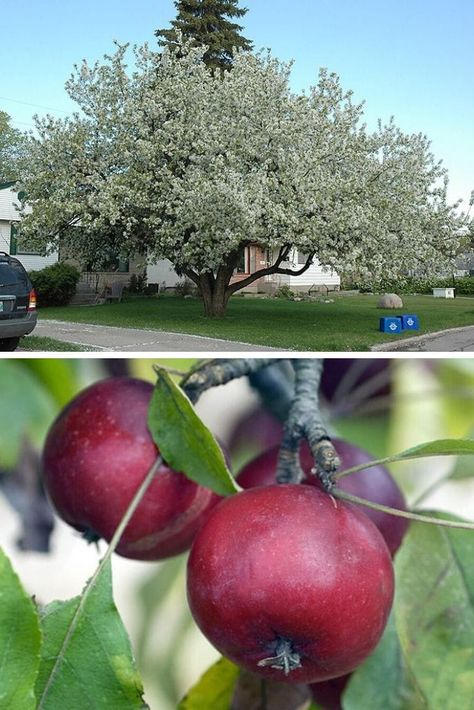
[(390, 300)]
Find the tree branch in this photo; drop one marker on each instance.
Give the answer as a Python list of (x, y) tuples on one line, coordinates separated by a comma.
[(274, 269), (213, 373), (275, 387), (192, 275), (305, 422)]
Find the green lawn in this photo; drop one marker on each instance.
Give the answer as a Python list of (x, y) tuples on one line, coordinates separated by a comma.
[(350, 323), (38, 342)]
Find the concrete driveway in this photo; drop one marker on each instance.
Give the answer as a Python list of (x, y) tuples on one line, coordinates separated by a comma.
[(111, 338), (444, 341)]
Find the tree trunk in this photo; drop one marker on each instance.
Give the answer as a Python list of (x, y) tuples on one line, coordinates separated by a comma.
[(216, 289), (214, 295)]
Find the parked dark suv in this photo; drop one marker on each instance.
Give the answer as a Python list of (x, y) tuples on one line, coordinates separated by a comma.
[(17, 302)]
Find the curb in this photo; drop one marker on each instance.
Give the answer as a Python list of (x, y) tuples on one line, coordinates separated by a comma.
[(420, 339)]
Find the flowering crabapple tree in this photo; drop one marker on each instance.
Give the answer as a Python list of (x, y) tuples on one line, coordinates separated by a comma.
[(168, 160)]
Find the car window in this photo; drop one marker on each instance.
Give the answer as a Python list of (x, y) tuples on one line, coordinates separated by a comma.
[(12, 273)]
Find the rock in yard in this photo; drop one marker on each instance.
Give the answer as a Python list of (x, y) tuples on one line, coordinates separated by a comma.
[(390, 300)]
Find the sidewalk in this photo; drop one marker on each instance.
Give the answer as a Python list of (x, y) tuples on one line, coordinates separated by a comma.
[(453, 340), (111, 338)]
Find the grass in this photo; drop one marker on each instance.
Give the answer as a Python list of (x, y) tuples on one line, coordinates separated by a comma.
[(37, 342), (349, 323)]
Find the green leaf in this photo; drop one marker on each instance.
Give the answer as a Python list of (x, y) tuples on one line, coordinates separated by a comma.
[(86, 657), (214, 689), (462, 469), (20, 641), (434, 613), (441, 447), (185, 442), (26, 410), (60, 377), (383, 681)]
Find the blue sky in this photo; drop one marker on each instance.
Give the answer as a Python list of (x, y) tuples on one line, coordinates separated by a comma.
[(409, 58)]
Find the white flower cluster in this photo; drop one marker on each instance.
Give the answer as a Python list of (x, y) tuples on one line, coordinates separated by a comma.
[(169, 160)]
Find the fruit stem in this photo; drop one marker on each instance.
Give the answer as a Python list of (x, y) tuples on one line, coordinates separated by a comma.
[(286, 658), (135, 502), (305, 422), (213, 373), (443, 522), (409, 455)]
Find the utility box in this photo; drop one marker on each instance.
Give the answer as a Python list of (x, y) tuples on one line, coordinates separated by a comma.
[(410, 322), (443, 292), (391, 325)]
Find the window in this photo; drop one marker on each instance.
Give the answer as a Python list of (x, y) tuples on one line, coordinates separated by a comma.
[(12, 273), (16, 246), (242, 266)]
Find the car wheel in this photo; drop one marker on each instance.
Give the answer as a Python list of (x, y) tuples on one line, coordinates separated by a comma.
[(9, 344)]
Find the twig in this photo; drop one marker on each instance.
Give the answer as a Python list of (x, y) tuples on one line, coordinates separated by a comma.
[(305, 422), (275, 387), (338, 493), (218, 372)]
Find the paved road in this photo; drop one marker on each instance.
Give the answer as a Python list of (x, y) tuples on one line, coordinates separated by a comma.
[(104, 337), (453, 340)]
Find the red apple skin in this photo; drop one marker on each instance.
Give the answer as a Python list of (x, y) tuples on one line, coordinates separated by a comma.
[(97, 453), (374, 484), (290, 562)]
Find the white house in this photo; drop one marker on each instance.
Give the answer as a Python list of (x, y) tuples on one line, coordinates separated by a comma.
[(163, 273), (254, 259), (9, 218), (317, 275)]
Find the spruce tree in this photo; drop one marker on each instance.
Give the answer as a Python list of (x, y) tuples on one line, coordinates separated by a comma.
[(208, 22)]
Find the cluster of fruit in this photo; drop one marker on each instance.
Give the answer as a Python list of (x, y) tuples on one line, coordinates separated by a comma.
[(284, 580)]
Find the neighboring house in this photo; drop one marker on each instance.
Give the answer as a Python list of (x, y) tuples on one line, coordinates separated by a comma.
[(115, 270), (163, 273), (254, 259), (9, 242)]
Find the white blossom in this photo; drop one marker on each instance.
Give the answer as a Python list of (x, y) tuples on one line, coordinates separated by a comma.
[(170, 160)]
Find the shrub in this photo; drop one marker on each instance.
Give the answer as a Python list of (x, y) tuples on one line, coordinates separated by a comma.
[(416, 284), (285, 292), (137, 283), (55, 285)]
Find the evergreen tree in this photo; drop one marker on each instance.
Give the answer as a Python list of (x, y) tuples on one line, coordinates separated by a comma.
[(208, 22)]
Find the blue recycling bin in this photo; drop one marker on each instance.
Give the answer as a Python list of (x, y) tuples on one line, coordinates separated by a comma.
[(391, 325), (410, 322)]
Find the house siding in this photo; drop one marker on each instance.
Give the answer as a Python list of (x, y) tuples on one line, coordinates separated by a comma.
[(317, 275), (163, 273), (255, 259), (9, 214)]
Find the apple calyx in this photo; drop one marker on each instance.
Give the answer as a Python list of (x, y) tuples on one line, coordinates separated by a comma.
[(90, 536), (286, 658)]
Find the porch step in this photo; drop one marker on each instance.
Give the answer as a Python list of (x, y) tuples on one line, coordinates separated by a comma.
[(84, 296)]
